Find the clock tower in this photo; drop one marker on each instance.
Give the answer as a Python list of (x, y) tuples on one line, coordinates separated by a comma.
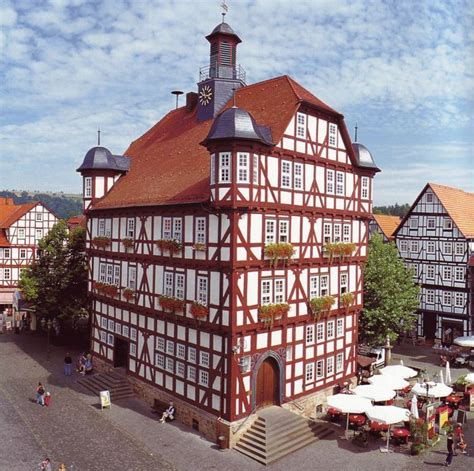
[(218, 80)]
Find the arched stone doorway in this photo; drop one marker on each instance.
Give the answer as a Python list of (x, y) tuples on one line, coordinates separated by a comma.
[(267, 384)]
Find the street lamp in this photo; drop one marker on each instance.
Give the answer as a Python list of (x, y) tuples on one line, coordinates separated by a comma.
[(49, 325)]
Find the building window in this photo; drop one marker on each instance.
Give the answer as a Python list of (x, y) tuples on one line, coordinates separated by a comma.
[(431, 223), (103, 336), (339, 362), (340, 183), (168, 284), (180, 369), (179, 286), (320, 332), (430, 296), (330, 328), (447, 273), (255, 169), (125, 331), (447, 223), (203, 378), (244, 364), (340, 327), (133, 349), (430, 247), (159, 361), (273, 291), (330, 182), (170, 347), (133, 333), (282, 231), (346, 233), (103, 322), (110, 274), (180, 351), (170, 365), (191, 373), (298, 176), (279, 291), (192, 354), (224, 167), (429, 197), (320, 369), (415, 271), (270, 231), (23, 253), (202, 289), (313, 286), (459, 247), (430, 271), (110, 339), (414, 246), (309, 375), (327, 233), (242, 167), (167, 224), (200, 234), (177, 229), (285, 174), (7, 274), (365, 187), (332, 134), (39, 234), (102, 272), (204, 359), (116, 275), (118, 328), (324, 285), (459, 273), (309, 334), (447, 248), (130, 228), (447, 298), (403, 246), (39, 217), (413, 223), (87, 187), (213, 169), (337, 233), (330, 366), (132, 278), (459, 299), (21, 233), (301, 125), (343, 283), (101, 227)]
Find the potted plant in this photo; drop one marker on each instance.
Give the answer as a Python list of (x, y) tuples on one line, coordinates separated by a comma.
[(321, 306), (268, 313), (329, 251), (128, 294), (127, 242), (170, 245), (170, 303), (346, 300), (101, 242), (461, 384), (199, 310), (416, 448), (198, 247), (277, 251), (348, 248)]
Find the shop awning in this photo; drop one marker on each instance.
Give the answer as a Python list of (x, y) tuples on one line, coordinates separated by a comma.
[(6, 297)]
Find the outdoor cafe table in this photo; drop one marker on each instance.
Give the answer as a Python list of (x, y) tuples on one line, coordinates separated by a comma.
[(453, 399), (401, 434), (442, 408), (378, 427), (334, 413), (357, 419)]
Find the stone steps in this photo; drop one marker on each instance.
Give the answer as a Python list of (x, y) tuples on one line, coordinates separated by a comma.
[(117, 384), (278, 432)]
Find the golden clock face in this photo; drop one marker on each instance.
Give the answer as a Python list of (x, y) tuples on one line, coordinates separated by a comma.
[(205, 95)]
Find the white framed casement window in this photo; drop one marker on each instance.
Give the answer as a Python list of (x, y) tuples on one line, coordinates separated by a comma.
[(180, 369), (118, 328), (167, 225), (21, 233), (340, 327), (170, 347), (192, 354), (6, 253), (327, 232), (414, 246), (447, 273), (403, 246), (298, 176), (101, 228), (301, 125), (170, 365), (459, 299), (270, 232), (332, 134), (132, 278), (159, 361), (283, 231), (7, 274), (130, 228), (111, 326), (447, 298), (459, 248), (110, 274), (448, 248), (346, 233), (430, 247), (110, 339), (320, 369), (133, 333), (202, 289), (364, 184), (337, 233), (204, 359), (339, 362), (103, 336), (285, 174), (203, 378), (102, 272), (213, 169), (177, 229), (431, 223), (200, 230), (415, 270), (179, 285), (255, 169), (108, 227), (243, 167), (22, 253), (310, 334), (324, 285), (103, 322), (180, 351), (87, 187), (38, 234), (125, 331), (330, 182), (340, 180), (266, 291), (224, 167), (459, 273), (330, 330), (117, 275), (413, 223), (343, 283), (309, 373), (329, 366), (430, 272), (279, 291), (320, 332), (39, 217), (191, 373), (447, 223), (430, 296), (313, 286), (429, 197), (168, 288)]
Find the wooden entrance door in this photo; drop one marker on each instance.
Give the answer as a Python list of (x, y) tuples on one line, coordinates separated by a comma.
[(120, 353), (267, 385)]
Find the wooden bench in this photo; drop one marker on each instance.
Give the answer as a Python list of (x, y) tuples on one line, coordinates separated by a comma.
[(160, 406)]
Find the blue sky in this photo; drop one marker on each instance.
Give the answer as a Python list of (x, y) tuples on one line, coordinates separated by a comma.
[(403, 70)]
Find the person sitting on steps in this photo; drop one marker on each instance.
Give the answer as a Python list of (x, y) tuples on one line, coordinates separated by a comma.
[(168, 413)]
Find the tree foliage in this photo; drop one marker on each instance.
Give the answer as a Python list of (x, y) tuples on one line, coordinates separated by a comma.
[(393, 210), (55, 284), (390, 294)]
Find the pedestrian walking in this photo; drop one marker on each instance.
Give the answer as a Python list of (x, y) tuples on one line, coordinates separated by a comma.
[(68, 365), (40, 391), (450, 446), (45, 465)]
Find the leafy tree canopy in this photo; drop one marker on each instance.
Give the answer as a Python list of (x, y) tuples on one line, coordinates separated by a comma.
[(390, 294), (56, 283), (396, 209)]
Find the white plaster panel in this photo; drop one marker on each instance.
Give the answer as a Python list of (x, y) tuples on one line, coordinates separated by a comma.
[(299, 333), (320, 350), (298, 351), (298, 386), (262, 340), (192, 335), (191, 392), (276, 337)]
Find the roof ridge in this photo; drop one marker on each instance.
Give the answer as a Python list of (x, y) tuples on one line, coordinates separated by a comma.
[(431, 184)]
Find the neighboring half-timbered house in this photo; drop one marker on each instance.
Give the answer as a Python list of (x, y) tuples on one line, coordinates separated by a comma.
[(384, 225), (436, 238), (225, 264), (21, 227)]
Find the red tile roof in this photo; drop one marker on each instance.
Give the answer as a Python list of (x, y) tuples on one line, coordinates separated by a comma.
[(168, 164), (387, 224), (76, 221), (3, 239), (11, 213)]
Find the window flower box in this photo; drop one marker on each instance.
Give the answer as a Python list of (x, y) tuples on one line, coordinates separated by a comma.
[(343, 250), (269, 313), (128, 294), (346, 300), (128, 243), (277, 251), (321, 307), (198, 247), (169, 245), (101, 242), (170, 303), (106, 289), (199, 311)]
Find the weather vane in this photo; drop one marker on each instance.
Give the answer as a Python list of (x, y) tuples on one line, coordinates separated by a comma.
[(225, 8)]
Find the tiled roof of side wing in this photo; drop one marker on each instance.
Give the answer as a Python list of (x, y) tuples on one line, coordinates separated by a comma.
[(168, 164), (3, 239), (11, 213), (387, 224), (459, 204)]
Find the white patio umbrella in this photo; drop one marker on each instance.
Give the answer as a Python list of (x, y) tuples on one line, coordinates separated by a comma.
[(448, 374), (466, 341), (441, 377), (374, 392), (391, 382), (470, 378), (349, 404), (401, 362), (435, 390), (414, 407), (388, 415), (399, 370)]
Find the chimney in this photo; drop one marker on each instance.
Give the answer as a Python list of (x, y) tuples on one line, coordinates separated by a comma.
[(191, 101)]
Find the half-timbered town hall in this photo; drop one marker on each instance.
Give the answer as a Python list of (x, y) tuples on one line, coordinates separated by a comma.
[(226, 247)]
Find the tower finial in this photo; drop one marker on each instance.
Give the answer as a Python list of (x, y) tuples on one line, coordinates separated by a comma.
[(225, 9), (98, 136), (355, 136)]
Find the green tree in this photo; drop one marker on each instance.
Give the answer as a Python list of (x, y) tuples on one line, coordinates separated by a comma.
[(56, 283), (390, 294)]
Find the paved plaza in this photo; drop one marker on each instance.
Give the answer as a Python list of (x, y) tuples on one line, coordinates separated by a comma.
[(75, 431)]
